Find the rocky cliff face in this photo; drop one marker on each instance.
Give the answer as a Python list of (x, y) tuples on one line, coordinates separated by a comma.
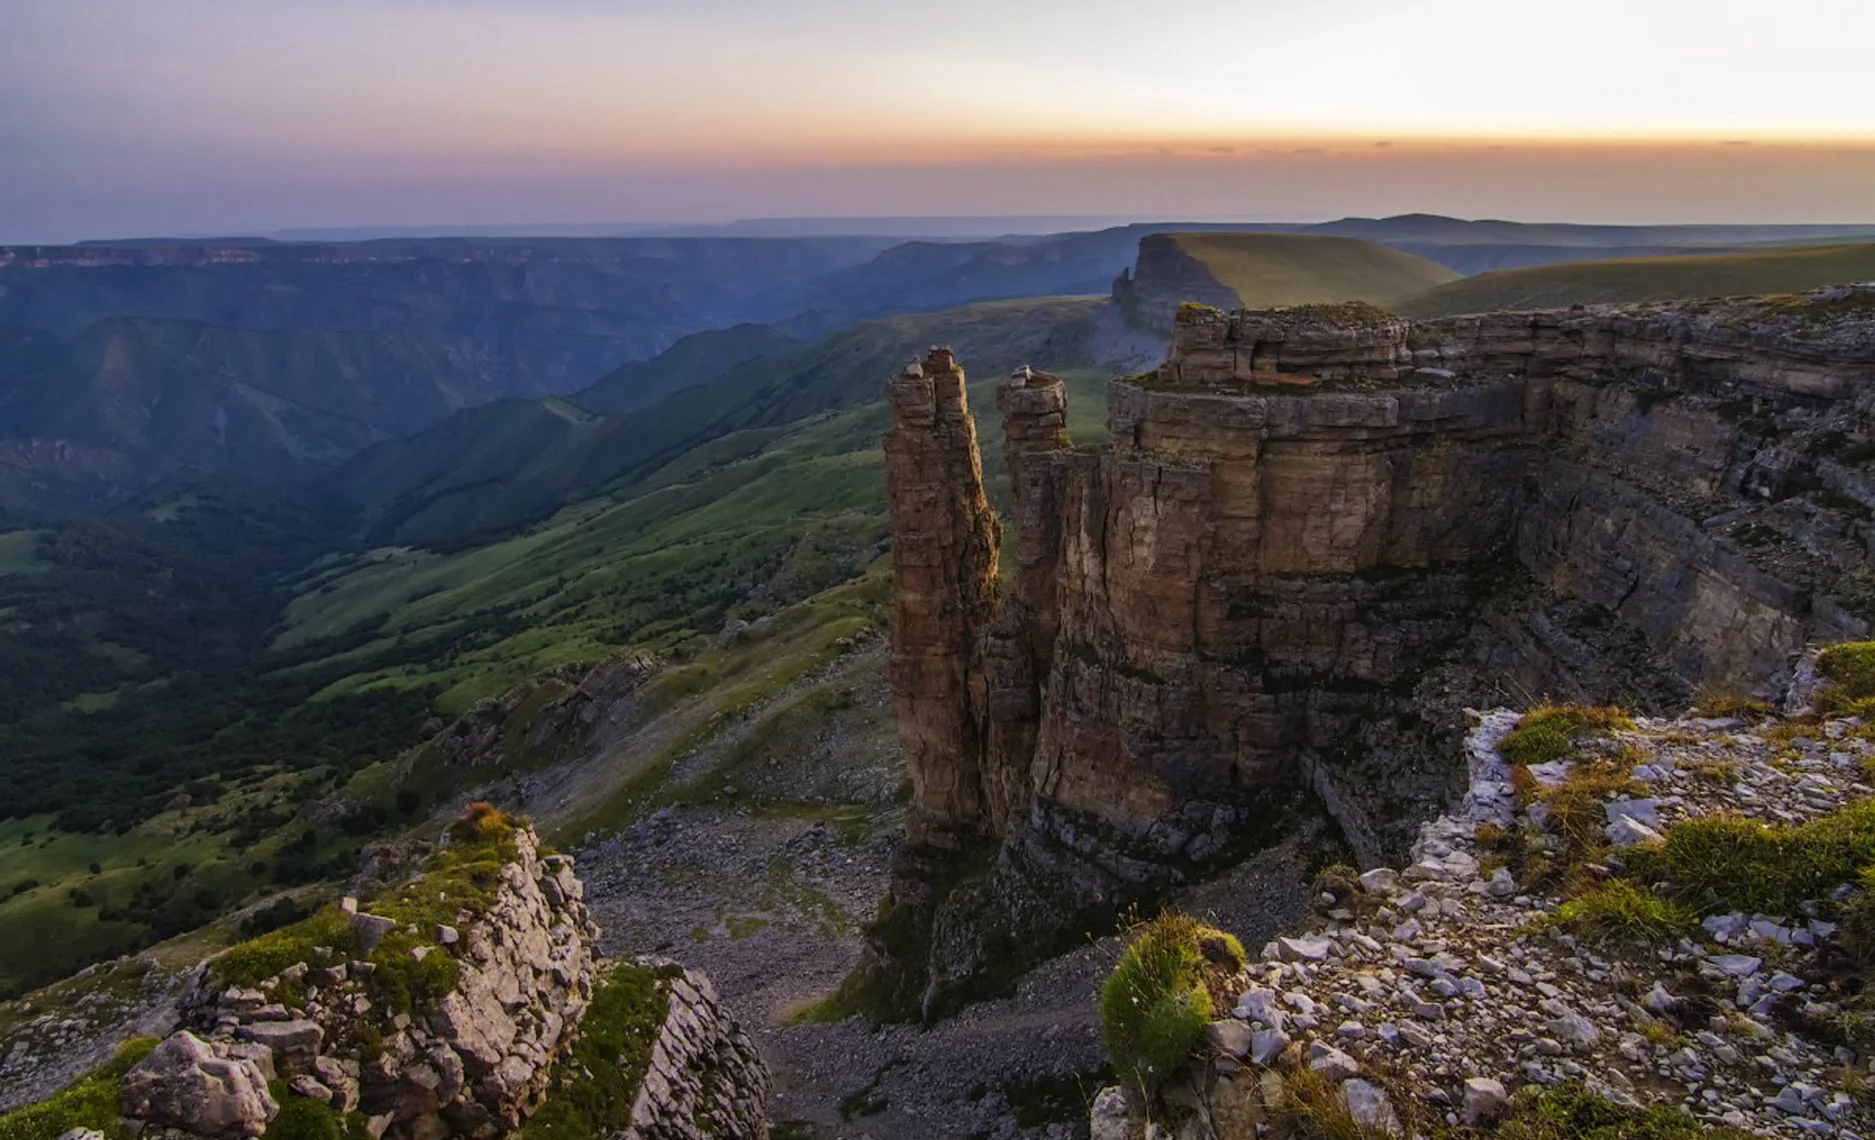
[(1317, 534), (429, 1029), (1163, 278)]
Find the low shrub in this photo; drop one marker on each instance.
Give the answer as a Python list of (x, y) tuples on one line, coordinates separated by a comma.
[(1726, 863), (1552, 732), (1159, 998), (90, 1102)]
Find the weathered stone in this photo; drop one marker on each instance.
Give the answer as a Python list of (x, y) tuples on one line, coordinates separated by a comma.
[(1112, 1118), (1231, 1037), (194, 1086), (1370, 1107), (1297, 515), (292, 1043), (1485, 1100), (1331, 1062), (369, 930)]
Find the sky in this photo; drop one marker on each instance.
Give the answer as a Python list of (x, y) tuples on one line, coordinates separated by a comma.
[(124, 118)]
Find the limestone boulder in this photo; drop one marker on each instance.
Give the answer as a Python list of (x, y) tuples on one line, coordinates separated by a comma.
[(203, 1088)]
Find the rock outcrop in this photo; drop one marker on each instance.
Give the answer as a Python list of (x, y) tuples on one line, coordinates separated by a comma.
[(1315, 534), (705, 1080), (213, 1089), (434, 1029), (1429, 993), (1163, 278), (944, 542)]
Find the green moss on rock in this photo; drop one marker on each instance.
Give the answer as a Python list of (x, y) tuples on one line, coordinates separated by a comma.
[(1552, 732), (1850, 668), (413, 969), (595, 1084)]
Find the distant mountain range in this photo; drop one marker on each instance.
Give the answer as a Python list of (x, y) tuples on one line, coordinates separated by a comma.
[(124, 364)]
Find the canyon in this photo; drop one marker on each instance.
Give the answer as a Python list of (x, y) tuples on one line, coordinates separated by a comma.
[(1316, 536)]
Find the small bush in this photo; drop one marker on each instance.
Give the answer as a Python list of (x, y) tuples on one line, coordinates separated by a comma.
[(1551, 732), (1621, 911), (1724, 863), (1850, 667), (1858, 917), (1159, 998), (90, 1102)]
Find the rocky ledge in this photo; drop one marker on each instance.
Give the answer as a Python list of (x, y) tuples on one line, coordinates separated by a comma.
[(466, 1002), (1568, 928)]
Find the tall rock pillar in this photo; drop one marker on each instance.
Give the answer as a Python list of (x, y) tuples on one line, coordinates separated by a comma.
[(944, 544)]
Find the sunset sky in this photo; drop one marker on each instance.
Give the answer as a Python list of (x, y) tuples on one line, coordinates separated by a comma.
[(133, 117)]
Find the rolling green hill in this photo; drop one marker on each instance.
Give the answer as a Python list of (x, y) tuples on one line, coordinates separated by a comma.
[(1273, 270), (494, 468), (1647, 279), (693, 360)]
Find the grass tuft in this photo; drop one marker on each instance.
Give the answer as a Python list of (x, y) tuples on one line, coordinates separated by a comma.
[(1552, 732), (1619, 911), (594, 1086), (1571, 1112), (1310, 1108), (1850, 668), (1722, 703), (1159, 998), (1727, 863)]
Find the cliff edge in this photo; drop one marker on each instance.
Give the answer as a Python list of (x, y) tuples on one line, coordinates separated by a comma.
[(1317, 535)]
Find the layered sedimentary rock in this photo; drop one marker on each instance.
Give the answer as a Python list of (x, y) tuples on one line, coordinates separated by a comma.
[(1165, 276), (472, 1050), (1305, 518), (705, 1080), (944, 540)]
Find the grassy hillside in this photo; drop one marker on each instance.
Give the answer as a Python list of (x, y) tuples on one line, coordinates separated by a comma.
[(490, 470), (1648, 279), (738, 526), (780, 522), (1273, 270), (691, 361)]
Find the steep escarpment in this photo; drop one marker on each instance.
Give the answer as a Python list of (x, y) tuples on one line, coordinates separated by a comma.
[(1317, 534), (1265, 270)]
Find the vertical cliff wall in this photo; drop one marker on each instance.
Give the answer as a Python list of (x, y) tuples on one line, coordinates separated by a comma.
[(944, 540), (1314, 530)]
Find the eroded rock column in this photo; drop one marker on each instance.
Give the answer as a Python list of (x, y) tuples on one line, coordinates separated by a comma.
[(944, 545)]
